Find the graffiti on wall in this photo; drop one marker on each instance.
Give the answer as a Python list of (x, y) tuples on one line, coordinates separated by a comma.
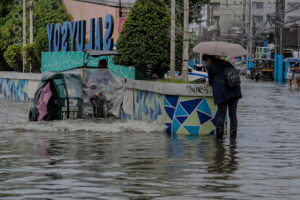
[(61, 61), (15, 90)]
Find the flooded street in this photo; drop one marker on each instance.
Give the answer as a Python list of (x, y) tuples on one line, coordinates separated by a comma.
[(138, 160)]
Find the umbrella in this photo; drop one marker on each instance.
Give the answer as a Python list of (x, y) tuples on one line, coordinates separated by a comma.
[(292, 60), (220, 49)]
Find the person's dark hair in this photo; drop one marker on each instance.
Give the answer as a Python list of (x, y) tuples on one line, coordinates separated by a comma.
[(206, 57), (103, 63)]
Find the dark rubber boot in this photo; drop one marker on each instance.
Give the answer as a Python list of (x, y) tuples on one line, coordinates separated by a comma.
[(220, 132), (233, 134)]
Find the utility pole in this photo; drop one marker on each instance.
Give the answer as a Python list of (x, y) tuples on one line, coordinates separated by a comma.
[(251, 29), (276, 28), (244, 18), (31, 25), (173, 39), (185, 41), (282, 16), (298, 41), (24, 32), (31, 20)]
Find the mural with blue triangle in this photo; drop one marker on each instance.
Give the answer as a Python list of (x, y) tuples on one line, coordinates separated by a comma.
[(190, 105), (170, 111), (180, 111), (204, 107), (181, 119), (193, 130), (181, 115), (172, 100), (203, 117), (215, 119), (166, 103), (15, 90), (175, 126)]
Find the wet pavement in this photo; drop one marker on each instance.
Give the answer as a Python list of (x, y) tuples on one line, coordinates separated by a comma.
[(137, 160)]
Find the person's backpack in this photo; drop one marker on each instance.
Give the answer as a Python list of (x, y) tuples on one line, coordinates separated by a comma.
[(231, 76)]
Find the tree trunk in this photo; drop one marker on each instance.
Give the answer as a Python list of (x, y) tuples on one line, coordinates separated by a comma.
[(173, 39), (31, 26), (24, 32), (185, 41)]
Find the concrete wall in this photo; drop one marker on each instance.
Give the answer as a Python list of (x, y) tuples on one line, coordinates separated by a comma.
[(18, 86), (183, 111), (186, 109)]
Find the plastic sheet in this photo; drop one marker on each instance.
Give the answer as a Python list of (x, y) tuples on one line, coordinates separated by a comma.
[(103, 93)]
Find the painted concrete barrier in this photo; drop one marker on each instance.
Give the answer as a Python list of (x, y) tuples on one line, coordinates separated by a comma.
[(184, 108), (17, 86)]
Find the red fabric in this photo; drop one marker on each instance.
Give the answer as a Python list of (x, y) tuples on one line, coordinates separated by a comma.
[(43, 102), (121, 23)]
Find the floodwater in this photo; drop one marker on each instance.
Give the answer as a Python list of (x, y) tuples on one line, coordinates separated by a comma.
[(138, 160)]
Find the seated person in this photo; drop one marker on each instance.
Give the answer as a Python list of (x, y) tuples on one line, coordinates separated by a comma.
[(52, 107), (103, 64)]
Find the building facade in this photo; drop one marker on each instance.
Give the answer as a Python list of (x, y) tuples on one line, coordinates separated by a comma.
[(87, 9), (228, 16), (232, 16)]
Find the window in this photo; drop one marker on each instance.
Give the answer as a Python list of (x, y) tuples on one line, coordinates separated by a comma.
[(293, 5), (217, 5), (258, 19), (258, 5), (292, 19), (216, 20)]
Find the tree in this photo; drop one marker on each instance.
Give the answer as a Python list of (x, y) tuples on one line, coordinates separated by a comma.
[(185, 41), (13, 56), (45, 12), (195, 9), (31, 57), (145, 37)]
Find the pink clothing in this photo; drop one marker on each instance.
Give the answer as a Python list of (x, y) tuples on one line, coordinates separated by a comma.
[(43, 102)]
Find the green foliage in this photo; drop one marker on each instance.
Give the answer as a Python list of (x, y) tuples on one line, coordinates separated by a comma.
[(31, 58), (195, 9), (145, 38), (170, 81), (45, 12), (13, 56)]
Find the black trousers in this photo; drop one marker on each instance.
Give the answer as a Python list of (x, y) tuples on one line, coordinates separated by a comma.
[(231, 104)]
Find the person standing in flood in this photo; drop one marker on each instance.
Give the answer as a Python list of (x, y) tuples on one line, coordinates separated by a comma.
[(290, 75), (297, 76), (224, 95)]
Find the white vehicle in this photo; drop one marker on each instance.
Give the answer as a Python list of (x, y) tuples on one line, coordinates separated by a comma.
[(194, 74), (197, 73)]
